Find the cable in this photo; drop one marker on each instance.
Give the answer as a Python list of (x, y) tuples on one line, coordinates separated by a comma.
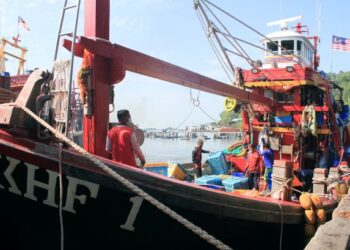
[(188, 116), (251, 28), (207, 113), (216, 52), (61, 193)]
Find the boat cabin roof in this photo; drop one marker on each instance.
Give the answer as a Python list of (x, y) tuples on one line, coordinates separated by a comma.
[(297, 49)]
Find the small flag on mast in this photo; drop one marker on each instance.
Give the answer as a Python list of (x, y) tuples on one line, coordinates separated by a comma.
[(340, 43), (23, 24)]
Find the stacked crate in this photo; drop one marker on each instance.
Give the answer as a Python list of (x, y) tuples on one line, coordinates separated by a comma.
[(233, 183), (217, 163), (319, 181), (209, 180), (282, 171), (334, 173)]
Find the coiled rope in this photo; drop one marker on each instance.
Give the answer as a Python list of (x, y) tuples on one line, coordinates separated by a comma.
[(195, 229)]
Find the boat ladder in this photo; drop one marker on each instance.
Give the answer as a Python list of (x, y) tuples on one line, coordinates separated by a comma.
[(61, 86)]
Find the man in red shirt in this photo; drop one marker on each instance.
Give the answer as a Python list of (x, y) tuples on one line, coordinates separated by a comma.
[(254, 167), (122, 143)]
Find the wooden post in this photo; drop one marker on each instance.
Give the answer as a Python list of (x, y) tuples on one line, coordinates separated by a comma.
[(96, 127)]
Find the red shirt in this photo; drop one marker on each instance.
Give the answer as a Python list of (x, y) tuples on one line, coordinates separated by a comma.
[(254, 162), (120, 139)]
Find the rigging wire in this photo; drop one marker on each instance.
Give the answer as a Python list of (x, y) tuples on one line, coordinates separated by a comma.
[(253, 45), (207, 114), (240, 49), (318, 16), (187, 117), (251, 28), (196, 103), (212, 30), (214, 48)]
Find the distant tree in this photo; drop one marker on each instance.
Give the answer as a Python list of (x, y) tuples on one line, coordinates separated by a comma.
[(226, 118), (343, 80)]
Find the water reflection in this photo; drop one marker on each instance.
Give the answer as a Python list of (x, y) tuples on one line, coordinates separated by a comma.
[(157, 149)]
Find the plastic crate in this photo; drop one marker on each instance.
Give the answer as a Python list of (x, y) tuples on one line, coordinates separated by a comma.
[(235, 183), (209, 179), (177, 171), (237, 174), (283, 119), (157, 167), (217, 163)]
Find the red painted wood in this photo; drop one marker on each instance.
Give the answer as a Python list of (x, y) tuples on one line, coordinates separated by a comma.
[(275, 74), (140, 63), (301, 108), (95, 128)]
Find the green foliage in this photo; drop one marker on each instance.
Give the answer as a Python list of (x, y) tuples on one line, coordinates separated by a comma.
[(343, 80), (226, 118)]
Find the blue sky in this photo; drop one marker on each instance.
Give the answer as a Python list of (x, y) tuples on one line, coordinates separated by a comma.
[(170, 30)]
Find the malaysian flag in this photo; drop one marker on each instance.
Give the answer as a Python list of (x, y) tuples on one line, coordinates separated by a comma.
[(23, 24), (340, 43)]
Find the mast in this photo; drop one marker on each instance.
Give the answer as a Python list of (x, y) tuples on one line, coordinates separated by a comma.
[(108, 63), (95, 126)]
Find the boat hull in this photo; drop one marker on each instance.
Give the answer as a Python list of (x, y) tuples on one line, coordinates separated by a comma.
[(98, 212)]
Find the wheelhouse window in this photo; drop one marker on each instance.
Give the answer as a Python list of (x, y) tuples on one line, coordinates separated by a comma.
[(299, 46), (272, 46), (284, 98), (287, 47)]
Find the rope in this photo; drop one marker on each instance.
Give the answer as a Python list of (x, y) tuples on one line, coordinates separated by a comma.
[(188, 116), (207, 113), (281, 234), (61, 193), (195, 229)]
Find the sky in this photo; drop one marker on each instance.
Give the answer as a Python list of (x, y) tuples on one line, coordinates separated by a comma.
[(170, 30)]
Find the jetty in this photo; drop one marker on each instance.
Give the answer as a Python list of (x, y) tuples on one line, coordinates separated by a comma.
[(335, 234)]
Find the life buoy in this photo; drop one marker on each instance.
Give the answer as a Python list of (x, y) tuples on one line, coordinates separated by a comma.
[(308, 121), (230, 104)]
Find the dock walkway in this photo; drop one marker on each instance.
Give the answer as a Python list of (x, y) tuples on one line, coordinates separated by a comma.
[(335, 234)]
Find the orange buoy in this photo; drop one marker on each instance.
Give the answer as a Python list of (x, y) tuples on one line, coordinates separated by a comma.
[(305, 201), (316, 201), (310, 217), (320, 216)]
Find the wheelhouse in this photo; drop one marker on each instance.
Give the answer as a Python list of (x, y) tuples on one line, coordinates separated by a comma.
[(286, 48)]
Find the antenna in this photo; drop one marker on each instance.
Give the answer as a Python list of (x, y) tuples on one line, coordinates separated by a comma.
[(283, 22)]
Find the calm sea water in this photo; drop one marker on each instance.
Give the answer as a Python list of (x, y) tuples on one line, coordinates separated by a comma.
[(179, 150)]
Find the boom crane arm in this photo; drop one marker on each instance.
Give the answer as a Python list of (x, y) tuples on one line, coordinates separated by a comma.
[(140, 63)]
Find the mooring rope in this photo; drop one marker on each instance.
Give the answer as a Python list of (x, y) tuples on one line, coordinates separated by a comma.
[(195, 229), (61, 193)]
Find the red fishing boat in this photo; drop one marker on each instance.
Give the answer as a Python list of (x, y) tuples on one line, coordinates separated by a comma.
[(11, 85), (56, 195)]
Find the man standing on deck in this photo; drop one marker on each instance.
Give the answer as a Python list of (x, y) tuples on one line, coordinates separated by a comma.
[(197, 157), (253, 167), (267, 154), (122, 143)]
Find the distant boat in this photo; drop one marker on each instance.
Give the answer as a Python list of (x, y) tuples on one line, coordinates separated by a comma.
[(11, 84)]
